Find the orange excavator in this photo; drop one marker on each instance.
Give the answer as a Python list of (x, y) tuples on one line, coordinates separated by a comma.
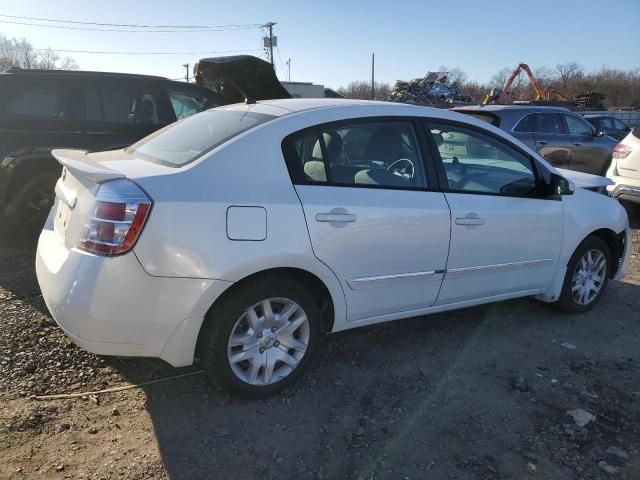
[(497, 96)]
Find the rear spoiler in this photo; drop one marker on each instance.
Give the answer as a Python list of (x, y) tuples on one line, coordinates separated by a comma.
[(80, 163)]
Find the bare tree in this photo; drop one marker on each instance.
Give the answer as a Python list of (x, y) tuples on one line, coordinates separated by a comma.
[(456, 75), (568, 72), (20, 53), (362, 90)]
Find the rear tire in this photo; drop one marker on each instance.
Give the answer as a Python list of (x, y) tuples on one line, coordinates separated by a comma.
[(587, 276), (255, 351), (33, 203)]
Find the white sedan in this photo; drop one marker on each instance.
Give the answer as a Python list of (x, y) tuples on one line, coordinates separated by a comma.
[(241, 235)]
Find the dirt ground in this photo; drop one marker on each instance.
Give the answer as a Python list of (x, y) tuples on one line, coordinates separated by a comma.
[(481, 393)]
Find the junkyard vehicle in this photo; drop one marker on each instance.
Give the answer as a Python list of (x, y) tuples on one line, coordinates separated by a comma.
[(564, 139), (625, 169), (42, 110), (242, 234), (609, 125), (503, 95)]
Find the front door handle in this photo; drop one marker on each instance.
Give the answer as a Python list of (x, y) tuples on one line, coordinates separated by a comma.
[(577, 144), (470, 221), (335, 217), (542, 142)]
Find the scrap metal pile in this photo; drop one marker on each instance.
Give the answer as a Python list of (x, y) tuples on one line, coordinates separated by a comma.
[(430, 90), (593, 100)]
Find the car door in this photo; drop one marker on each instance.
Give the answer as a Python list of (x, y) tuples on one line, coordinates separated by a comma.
[(505, 236), (119, 111), (552, 140), (373, 213), (589, 153)]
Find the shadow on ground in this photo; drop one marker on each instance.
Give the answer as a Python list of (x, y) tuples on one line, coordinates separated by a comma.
[(425, 397), (478, 393)]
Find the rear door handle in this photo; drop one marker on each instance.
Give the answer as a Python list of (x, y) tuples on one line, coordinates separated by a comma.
[(469, 221), (335, 217), (577, 144), (542, 142)]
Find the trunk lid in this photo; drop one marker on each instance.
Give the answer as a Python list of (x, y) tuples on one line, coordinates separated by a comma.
[(78, 185), (240, 75)]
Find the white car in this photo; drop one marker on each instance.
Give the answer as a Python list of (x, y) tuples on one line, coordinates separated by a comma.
[(625, 169), (242, 234)]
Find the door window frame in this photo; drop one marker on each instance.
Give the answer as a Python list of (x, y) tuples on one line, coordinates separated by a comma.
[(540, 173), (424, 153)]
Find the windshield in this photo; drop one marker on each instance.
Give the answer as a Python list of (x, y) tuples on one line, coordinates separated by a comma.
[(188, 139)]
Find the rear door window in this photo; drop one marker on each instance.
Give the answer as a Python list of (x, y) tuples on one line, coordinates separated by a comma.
[(618, 124), (358, 154), (549, 123), (126, 102), (527, 124), (46, 102)]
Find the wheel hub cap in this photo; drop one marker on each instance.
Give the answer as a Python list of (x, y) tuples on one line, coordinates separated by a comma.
[(268, 341), (589, 276)]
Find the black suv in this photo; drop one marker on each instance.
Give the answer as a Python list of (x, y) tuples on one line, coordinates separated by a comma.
[(42, 110), (564, 139)]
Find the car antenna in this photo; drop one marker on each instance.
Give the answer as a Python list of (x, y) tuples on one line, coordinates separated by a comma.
[(247, 99)]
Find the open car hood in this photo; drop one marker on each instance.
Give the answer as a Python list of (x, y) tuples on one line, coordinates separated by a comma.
[(254, 76), (585, 180)]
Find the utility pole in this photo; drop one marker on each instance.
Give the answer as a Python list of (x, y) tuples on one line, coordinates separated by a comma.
[(289, 68), (186, 65), (270, 42), (373, 85)]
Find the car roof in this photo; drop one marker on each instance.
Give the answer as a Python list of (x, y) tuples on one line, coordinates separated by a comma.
[(79, 73), (299, 105), (513, 108)]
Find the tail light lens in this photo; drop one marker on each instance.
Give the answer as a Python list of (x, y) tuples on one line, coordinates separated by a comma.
[(621, 151), (116, 218)]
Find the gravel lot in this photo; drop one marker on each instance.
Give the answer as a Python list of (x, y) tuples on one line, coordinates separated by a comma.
[(481, 393)]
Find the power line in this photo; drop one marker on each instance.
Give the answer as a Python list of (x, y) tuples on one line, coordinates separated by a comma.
[(245, 25), (66, 27), (108, 52)]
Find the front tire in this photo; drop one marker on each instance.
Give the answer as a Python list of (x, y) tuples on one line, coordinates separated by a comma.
[(587, 276), (260, 338)]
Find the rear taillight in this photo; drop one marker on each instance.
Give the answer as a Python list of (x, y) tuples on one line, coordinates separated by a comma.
[(116, 218), (621, 151)]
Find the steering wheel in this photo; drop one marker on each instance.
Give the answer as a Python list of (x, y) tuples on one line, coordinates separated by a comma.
[(402, 171)]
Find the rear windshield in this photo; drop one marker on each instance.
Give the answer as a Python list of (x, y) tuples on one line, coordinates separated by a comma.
[(188, 139)]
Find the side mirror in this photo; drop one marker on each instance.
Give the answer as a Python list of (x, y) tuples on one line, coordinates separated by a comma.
[(558, 185), (598, 133)]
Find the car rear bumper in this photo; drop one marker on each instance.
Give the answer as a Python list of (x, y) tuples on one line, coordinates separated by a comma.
[(625, 188), (111, 306)]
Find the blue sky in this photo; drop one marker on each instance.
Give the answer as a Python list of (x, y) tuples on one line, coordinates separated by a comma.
[(331, 42)]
